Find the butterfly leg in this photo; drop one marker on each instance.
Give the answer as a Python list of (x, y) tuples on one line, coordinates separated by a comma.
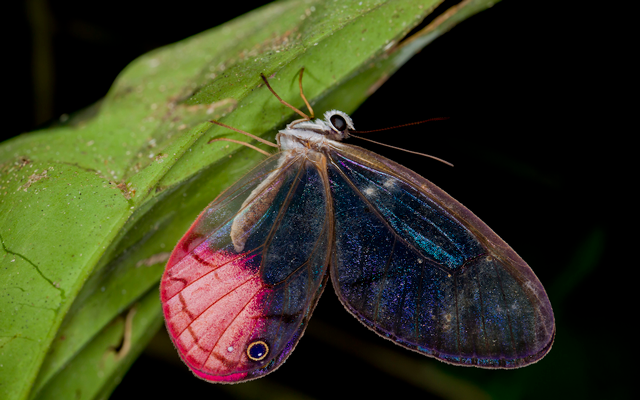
[(303, 115), (303, 96)]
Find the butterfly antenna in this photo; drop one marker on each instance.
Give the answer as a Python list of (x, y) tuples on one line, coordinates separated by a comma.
[(400, 148), (404, 125), (303, 115)]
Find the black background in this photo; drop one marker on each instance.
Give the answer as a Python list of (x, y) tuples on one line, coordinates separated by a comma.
[(531, 134)]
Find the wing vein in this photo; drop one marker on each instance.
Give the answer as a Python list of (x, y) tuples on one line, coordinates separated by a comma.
[(482, 312), (428, 221), (202, 261), (218, 203), (416, 316), (455, 286), (215, 302), (386, 269), (281, 212), (382, 219), (504, 297), (229, 324)]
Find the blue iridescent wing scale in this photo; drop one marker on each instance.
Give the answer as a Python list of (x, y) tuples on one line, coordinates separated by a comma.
[(418, 268)]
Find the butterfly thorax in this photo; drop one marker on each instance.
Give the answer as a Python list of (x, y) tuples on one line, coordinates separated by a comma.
[(315, 134)]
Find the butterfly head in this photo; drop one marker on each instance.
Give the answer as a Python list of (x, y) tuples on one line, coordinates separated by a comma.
[(338, 123)]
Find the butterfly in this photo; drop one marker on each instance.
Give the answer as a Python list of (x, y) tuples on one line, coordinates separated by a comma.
[(405, 258)]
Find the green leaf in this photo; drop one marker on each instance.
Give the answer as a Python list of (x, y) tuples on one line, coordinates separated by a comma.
[(90, 209)]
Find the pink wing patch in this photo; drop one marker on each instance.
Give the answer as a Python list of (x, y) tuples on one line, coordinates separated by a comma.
[(213, 302)]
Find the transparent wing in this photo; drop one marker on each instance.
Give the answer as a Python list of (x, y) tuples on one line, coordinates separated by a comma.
[(417, 267), (241, 284)]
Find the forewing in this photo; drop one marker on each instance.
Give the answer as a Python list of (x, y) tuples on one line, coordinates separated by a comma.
[(420, 269), (241, 284)]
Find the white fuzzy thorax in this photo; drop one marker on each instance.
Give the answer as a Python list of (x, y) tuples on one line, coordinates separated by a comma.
[(312, 134)]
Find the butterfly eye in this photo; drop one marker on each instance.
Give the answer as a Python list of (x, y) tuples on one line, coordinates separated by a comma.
[(258, 350), (338, 122)]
